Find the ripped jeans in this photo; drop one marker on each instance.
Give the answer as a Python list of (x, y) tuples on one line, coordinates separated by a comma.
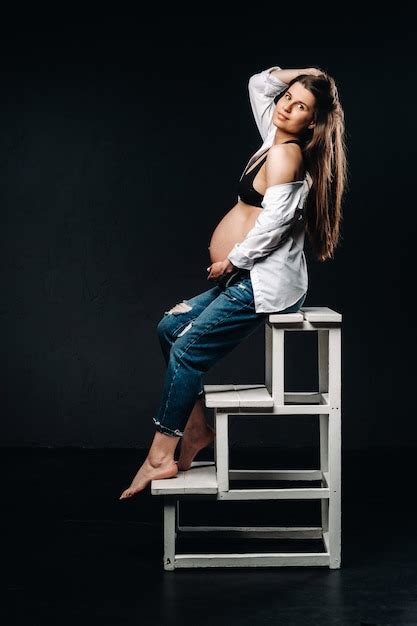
[(197, 333)]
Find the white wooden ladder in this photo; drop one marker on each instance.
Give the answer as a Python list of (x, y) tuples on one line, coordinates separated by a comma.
[(214, 480)]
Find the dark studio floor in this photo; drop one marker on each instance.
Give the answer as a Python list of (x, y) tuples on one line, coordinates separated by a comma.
[(74, 554)]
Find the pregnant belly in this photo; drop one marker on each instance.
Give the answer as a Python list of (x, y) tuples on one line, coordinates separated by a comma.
[(232, 229)]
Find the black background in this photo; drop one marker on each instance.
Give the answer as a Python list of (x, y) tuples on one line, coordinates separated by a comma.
[(122, 144)]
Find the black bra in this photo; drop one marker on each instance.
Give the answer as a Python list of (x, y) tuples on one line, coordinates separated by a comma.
[(245, 188)]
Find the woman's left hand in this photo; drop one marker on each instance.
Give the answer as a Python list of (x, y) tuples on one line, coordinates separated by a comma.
[(219, 268)]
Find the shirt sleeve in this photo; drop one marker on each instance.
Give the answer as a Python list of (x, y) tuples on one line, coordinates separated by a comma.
[(263, 88), (281, 211)]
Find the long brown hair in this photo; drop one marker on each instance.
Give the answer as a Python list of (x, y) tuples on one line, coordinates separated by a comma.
[(325, 152)]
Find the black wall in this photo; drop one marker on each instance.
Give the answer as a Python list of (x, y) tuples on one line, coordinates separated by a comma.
[(122, 145)]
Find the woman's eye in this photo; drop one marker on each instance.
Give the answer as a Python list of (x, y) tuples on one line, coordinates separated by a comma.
[(288, 98)]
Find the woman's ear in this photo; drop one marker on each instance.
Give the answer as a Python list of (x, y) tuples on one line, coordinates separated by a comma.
[(313, 122)]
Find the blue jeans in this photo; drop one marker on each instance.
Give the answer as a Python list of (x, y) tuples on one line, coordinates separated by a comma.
[(197, 335)]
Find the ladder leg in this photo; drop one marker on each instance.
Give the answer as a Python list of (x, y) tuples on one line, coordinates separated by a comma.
[(278, 365), (169, 532), (324, 466), (222, 450), (323, 359), (335, 447), (268, 357), (335, 491), (215, 438), (323, 380)]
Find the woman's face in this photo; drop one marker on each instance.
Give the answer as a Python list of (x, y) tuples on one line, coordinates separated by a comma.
[(294, 111)]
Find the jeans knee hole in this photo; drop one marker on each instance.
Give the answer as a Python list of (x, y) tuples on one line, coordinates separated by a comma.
[(181, 307)]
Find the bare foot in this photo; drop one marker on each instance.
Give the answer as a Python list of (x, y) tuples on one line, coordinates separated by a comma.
[(194, 440), (149, 472)]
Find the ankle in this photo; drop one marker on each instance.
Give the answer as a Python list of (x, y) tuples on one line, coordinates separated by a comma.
[(158, 460)]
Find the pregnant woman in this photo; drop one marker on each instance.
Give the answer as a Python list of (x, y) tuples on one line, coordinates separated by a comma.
[(293, 184)]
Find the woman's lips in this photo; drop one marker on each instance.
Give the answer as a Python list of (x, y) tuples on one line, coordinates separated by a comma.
[(282, 117)]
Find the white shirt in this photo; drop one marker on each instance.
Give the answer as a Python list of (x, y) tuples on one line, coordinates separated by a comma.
[(273, 250)]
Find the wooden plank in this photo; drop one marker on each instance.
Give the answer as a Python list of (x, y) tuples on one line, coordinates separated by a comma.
[(168, 486), (324, 441), (334, 510), (222, 399), (278, 409), (307, 493), (215, 388), (309, 397), (200, 478), (323, 359), (299, 409), (258, 396), (285, 318), (273, 474), (268, 358), (254, 397), (258, 532), (335, 365), (222, 449), (169, 533), (243, 395), (271, 559), (323, 380), (278, 365), (335, 444), (321, 314)]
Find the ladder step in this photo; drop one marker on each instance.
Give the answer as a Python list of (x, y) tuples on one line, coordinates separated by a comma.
[(286, 318), (320, 314), (237, 396), (200, 478), (251, 560), (306, 314), (258, 397)]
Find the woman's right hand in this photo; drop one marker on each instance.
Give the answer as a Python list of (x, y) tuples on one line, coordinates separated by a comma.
[(314, 71)]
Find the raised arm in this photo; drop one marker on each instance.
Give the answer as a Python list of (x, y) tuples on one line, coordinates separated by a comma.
[(264, 87)]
